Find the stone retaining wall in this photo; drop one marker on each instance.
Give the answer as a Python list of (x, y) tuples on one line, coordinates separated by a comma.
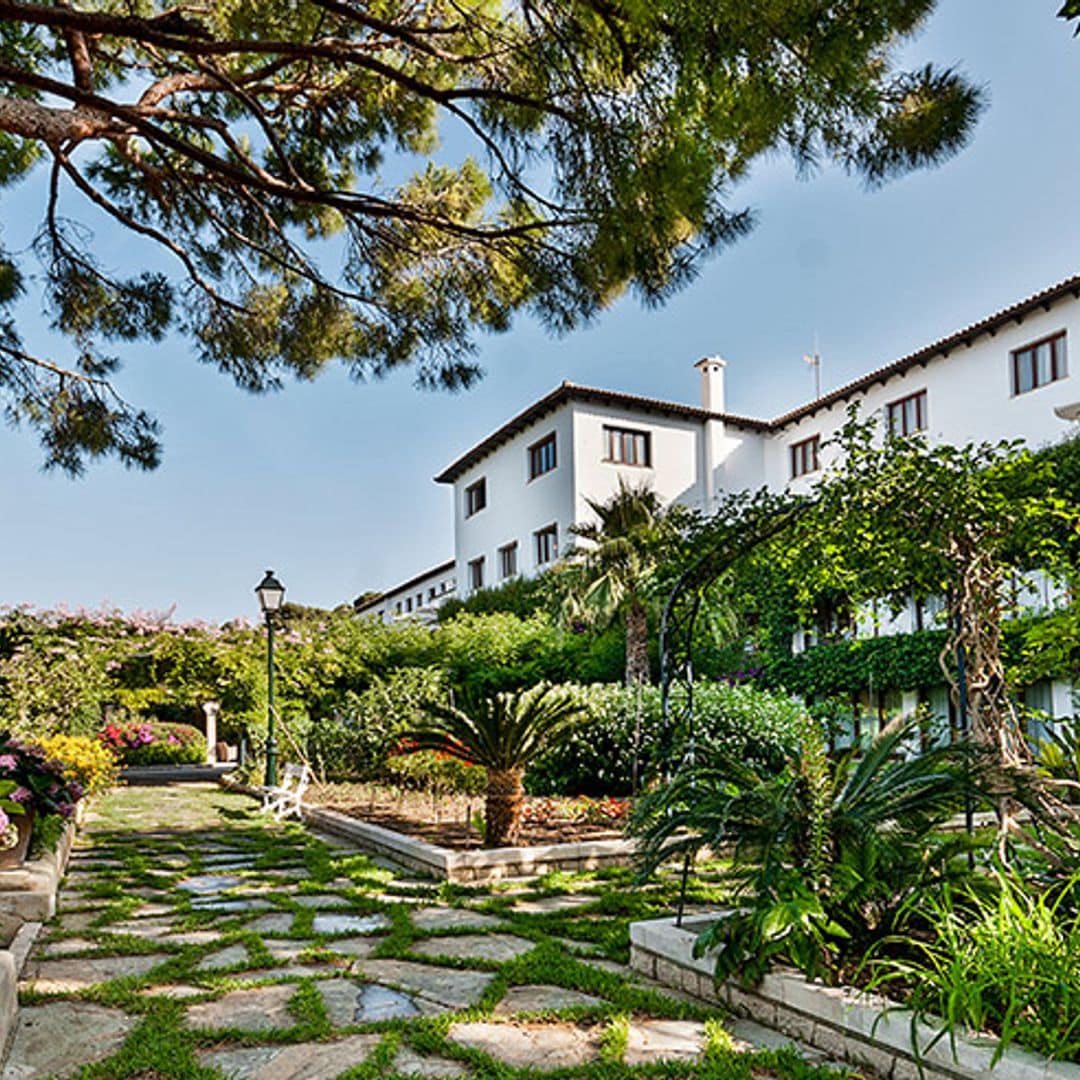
[(29, 891), (470, 866), (865, 1030)]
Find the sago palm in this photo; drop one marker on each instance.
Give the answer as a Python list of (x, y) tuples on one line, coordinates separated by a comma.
[(614, 572), (826, 852), (504, 733)]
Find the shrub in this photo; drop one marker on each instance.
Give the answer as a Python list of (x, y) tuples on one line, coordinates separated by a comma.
[(430, 770), (597, 758), (86, 760), (1008, 962), (152, 742), (356, 741)]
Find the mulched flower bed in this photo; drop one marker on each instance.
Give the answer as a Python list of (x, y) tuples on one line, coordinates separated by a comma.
[(455, 821)]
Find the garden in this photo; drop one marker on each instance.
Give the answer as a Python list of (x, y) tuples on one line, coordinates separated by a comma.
[(887, 812)]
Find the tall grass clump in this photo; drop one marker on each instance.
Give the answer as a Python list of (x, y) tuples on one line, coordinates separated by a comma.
[(1005, 960)]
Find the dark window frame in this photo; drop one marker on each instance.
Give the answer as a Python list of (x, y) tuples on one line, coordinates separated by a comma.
[(1028, 354), (537, 456), (508, 550), (476, 574), (541, 546), (477, 487), (626, 439), (798, 457), (897, 411)]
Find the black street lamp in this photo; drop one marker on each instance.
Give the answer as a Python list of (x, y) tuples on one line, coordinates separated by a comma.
[(271, 594)]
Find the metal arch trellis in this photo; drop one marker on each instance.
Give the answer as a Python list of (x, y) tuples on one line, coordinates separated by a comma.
[(677, 635)]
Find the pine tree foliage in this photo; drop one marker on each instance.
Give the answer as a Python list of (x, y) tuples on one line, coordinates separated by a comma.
[(279, 169)]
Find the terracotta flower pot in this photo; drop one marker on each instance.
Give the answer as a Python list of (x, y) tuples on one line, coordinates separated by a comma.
[(15, 856)]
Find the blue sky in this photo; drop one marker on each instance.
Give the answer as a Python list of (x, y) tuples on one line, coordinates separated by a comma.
[(330, 483)]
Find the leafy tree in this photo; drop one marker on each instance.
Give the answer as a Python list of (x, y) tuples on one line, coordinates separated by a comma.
[(896, 517), (613, 577), (279, 166), (504, 733)]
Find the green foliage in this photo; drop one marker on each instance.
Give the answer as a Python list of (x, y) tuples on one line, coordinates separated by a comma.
[(437, 772), (1006, 961), (520, 596), (597, 757), (356, 740), (864, 825), (897, 662), (502, 732), (241, 172), (152, 742)]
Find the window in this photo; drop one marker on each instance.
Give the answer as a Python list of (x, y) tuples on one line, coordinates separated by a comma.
[(1037, 364), (397, 608), (419, 600), (625, 447), (408, 603), (508, 561), (475, 497), (804, 457), (431, 593), (542, 457), (476, 574), (547, 545), (908, 415)]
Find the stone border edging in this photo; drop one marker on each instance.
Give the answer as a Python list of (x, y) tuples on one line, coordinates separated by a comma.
[(860, 1028), (487, 864), (29, 891), (474, 867)]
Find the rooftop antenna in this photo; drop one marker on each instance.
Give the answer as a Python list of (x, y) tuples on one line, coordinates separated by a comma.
[(814, 360)]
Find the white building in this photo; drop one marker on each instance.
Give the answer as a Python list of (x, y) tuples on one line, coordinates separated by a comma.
[(517, 492), (420, 597)]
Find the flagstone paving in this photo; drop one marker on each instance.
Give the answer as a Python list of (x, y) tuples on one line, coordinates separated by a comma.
[(196, 939)]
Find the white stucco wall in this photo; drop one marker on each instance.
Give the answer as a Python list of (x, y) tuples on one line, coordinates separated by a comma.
[(675, 460), (516, 506), (969, 395)]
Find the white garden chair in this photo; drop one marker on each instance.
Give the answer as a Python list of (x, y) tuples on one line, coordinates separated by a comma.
[(285, 800)]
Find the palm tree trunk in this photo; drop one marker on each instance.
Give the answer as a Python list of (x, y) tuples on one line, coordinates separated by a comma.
[(637, 644), (502, 811)]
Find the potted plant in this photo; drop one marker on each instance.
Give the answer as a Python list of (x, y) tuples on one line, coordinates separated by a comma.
[(33, 789)]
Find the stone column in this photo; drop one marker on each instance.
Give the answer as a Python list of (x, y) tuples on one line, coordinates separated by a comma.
[(210, 710)]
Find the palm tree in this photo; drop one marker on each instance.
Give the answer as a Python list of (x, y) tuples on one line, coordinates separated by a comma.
[(504, 733), (612, 576)]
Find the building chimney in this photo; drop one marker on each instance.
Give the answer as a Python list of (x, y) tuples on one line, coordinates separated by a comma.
[(712, 383)]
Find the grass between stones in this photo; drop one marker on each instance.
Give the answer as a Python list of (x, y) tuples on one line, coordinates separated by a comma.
[(181, 874)]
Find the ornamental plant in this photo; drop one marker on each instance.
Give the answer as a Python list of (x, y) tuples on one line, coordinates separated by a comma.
[(86, 760), (153, 742), (504, 733), (40, 783)]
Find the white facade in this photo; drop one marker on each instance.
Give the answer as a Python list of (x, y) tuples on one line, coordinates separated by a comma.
[(967, 385), (418, 598), (518, 492)]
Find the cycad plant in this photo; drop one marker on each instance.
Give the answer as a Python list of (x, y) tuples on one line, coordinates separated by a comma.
[(826, 851), (504, 733)]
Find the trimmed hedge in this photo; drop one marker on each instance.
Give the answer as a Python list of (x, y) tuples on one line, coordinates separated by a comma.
[(154, 742)]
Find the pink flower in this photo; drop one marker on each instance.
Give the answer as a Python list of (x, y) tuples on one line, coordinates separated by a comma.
[(7, 761), (21, 795), (5, 821)]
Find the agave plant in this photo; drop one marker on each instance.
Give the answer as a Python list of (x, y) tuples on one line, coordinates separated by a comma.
[(504, 733), (826, 852)]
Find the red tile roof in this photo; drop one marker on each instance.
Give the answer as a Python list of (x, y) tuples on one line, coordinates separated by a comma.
[(569, 391)]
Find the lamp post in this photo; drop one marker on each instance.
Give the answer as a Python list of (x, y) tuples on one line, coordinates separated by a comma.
[(271, 594)]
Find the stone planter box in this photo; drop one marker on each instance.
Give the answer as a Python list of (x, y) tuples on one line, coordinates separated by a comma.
[(29, 891), (863, 1029), (470, 866)]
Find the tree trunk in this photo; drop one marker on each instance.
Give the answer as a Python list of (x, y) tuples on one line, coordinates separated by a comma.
[(637, 644), (502, 810)]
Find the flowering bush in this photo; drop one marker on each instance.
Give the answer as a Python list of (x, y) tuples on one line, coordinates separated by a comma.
[(553, 810), (434, 771), (38, 781), (153, 742), (86, 760)]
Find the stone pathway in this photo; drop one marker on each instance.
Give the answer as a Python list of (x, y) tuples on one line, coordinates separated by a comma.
[(197, 939)]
